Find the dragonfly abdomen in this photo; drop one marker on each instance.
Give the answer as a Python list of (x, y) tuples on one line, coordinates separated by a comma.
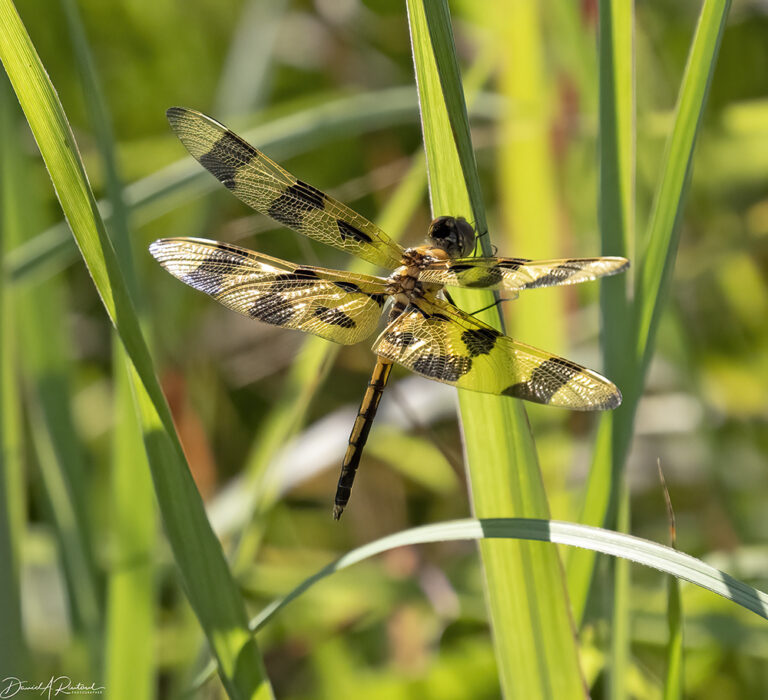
[(359, 435)]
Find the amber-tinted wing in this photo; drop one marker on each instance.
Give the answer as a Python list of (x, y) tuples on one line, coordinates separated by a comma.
[(265, 186), (515, 274), (338, 306), (438, 341)]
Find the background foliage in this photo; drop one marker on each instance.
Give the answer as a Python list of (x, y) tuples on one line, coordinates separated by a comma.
[(327, 89)]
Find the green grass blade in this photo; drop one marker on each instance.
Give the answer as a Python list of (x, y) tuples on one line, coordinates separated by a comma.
[(617, 215), (617, 134), (617, 145), (620, 661), (657, 259), (101, 122), (47, 370), (441, 98), (12, 520), (206, 578), (129, 661), (674, 686), (674, 680), (528, 605), (617, 544), (45, 367), (13, 651), (529, 208), (654, 262)]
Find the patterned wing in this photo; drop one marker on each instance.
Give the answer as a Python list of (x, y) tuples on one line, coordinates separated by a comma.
[(265, 186), (338, 306), (438, 341), (515, 274)]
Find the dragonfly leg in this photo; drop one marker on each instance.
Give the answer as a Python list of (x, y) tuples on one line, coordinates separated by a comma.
[(476, 311), (490, 306)]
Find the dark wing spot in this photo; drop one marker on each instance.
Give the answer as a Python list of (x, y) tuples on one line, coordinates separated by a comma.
[(347, 230), (460, 267), (208, 278), (311, 196), (226, 156), (210, 275), (557, 275), (447, 368), (300, 278), (512, 263), (379, 298), (306, 274), (350, 287), (566, 365), (222, 249), (334, 317), (353, 288), (289, 208), (545, 381), (480, 341), (400, 339), (272, 308), (298, 274)]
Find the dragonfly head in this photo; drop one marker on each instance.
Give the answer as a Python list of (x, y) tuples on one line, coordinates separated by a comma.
[(454, 235)]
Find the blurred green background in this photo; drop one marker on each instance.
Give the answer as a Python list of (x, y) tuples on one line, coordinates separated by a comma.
[(326, 88)]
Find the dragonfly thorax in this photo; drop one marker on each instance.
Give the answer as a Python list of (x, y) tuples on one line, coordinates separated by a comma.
[(454, 235), (404, 283)]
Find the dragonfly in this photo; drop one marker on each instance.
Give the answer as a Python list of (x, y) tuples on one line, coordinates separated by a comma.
[(423, 331)]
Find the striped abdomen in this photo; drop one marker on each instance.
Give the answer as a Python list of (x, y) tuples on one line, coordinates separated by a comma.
[(359, 434)]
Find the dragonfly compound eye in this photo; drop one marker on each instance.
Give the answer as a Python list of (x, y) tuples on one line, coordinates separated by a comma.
[(453, 235)]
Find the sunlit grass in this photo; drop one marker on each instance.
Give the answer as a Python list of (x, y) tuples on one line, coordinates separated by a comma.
[(198, 554), (69, 402), (535, 643)]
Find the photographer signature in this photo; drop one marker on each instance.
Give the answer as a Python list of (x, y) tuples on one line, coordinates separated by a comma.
[(57, 685)]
